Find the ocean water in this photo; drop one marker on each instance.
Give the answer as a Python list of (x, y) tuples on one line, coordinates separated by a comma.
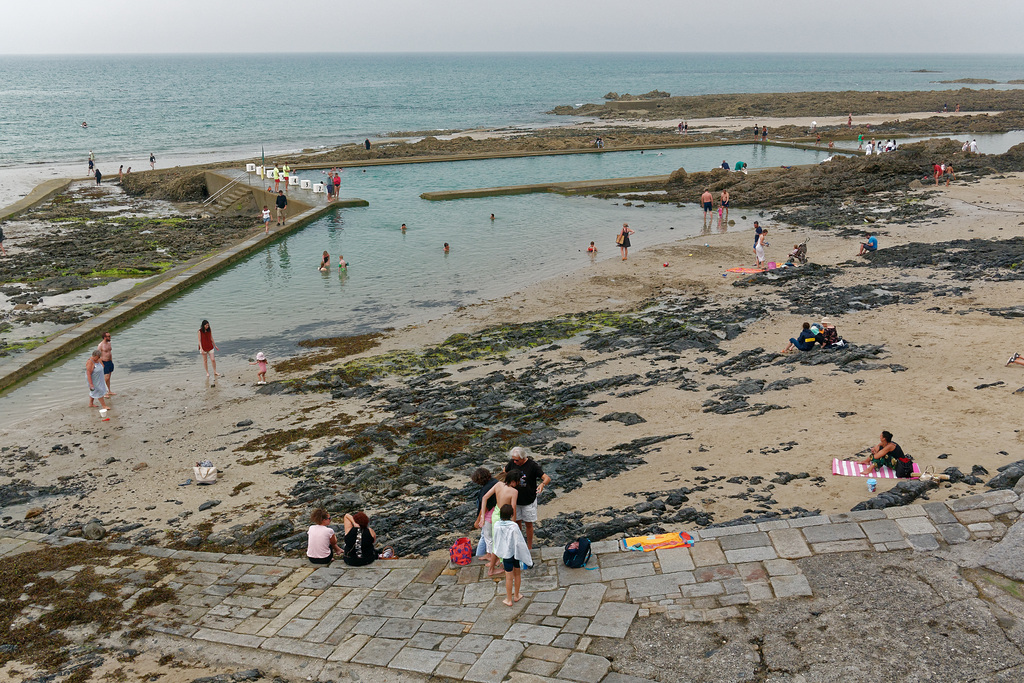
[(178, 104)]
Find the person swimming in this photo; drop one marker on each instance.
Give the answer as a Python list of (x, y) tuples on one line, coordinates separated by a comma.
[(592, 249), (342, 263), (84, 124), (325, 263), (446, 247)]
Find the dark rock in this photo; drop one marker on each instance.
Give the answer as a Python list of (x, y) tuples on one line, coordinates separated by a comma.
[(93, 531), (624, 418), (243, 423), (1008, 476), (209, 504), (904, 493)]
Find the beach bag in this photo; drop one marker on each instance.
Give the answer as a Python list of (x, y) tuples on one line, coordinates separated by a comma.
[(461, 552), (904, 467), (205, 474), (620, 239), (577, 553)]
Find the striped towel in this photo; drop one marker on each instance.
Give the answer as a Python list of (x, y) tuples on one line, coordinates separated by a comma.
[(849, 468)]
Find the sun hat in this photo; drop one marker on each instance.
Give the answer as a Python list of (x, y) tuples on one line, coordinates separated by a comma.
[(260, 356), (826, 321)]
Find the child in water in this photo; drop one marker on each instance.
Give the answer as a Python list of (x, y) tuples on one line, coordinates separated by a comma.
[(592, 249), (261, 362), (342, 263), (266, 220)]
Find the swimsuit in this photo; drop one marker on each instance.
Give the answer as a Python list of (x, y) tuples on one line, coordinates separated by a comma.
[(108, 367)]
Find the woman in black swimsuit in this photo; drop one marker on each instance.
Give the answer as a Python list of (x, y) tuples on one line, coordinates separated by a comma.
[(624, 245)]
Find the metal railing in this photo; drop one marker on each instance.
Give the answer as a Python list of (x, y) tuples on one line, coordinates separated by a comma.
[(224, 190)]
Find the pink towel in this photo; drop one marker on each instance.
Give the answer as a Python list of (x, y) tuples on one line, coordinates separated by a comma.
[(849, 468)]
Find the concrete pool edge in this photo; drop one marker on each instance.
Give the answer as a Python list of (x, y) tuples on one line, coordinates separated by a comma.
[(148, 293), (39, 194)]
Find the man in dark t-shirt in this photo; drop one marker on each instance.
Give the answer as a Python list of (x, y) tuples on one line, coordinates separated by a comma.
[(529, 489), (282, 207)]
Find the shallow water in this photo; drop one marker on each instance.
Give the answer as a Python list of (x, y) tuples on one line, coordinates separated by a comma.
[(278, 297)]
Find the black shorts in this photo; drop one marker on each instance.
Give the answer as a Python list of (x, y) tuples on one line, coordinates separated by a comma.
[(511, 564), (108, 367), (708, 206)]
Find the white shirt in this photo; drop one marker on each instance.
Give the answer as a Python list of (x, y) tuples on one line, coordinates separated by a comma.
[(974, 146), (509, 542)]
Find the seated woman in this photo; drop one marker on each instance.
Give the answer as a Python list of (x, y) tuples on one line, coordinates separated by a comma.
[(829, 334), (359, 540), (805, 342), (323, 542), (325, 263)]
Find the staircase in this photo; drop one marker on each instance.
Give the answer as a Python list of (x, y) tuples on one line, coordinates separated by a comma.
[(229, 199)]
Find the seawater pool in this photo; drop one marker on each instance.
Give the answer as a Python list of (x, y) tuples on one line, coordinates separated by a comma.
[(988, 143), (278, 297)]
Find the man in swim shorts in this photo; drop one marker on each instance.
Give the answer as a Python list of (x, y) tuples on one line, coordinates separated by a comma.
[(708, 200), (107, 358)]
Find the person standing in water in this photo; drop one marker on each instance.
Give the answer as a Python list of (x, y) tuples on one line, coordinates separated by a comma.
[(206, 348), (107, 358), (624, 243)]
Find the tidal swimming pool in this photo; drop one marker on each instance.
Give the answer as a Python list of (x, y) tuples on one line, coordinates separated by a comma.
[(277, 297)]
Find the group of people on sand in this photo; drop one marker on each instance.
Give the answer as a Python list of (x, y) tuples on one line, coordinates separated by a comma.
[(823, 333), (94, 171)]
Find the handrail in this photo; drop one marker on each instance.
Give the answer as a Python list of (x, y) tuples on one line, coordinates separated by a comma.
[(221, 192)]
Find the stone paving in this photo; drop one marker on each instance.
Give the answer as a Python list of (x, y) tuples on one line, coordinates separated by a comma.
[(429, 617)]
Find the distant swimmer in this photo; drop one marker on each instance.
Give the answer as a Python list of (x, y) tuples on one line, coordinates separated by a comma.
[(325, 263), (84, 124), (446, 247), (403, 227), (492, 216), (342, 263)]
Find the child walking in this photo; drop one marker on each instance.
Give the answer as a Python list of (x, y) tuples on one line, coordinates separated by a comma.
[(510, 545), (266, 220), (261, 362)]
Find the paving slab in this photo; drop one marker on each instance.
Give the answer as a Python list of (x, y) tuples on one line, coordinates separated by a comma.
[(789, 543), (833, 532), (754, 554), (754, 540), (495, 662), (413, 659), (841, 546), (445, 613), (882, 531), (939, 513), (705, 553), (531, 633), (237, 639), (613, 620), (497, 617), (953, 533), (660, 584), (378, 651), (584, 668), (582, 600), (399, 628), (674, 560), (546, 653), (293, 646), (915, 525), (914, 510), (473, 643), (568, 576), (625, 557), (388, 607), (719, 532), (812, 520), (923, 542), (791, 586), (615, 677)]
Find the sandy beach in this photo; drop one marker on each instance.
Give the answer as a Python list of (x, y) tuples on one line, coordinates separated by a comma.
[(126, 472)]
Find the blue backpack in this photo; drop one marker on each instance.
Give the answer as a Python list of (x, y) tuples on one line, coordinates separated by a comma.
[(577, 553)]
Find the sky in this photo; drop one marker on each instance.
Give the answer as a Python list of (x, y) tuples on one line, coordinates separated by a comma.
[(247, 26)]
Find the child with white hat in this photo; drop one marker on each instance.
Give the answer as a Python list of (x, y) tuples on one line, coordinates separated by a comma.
[(261, 361)]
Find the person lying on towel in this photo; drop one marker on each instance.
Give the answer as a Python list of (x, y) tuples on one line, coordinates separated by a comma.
[(887, 454)]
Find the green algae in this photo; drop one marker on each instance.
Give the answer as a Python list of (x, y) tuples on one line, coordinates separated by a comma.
[(492, 343)]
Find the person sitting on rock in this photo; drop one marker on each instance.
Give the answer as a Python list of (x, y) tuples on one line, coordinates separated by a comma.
[(830, 335), (323, 542), (886, 454), (359, 540), (870, 245), (806, 340)]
